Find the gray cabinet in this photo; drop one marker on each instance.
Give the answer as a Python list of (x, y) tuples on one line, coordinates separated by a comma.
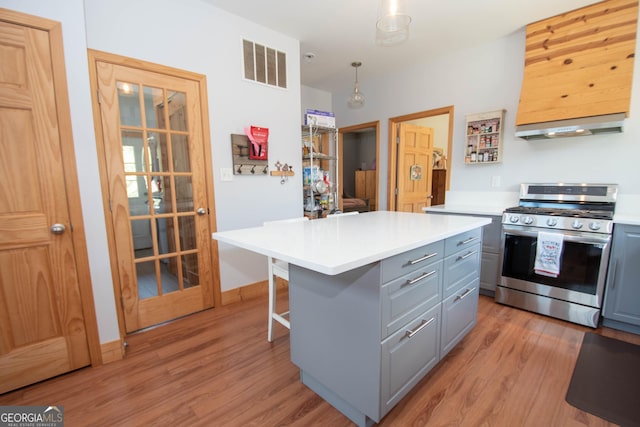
[(460, 306), (408, 355), (364, 338), (491, 253), (459, 316), (622, 291)]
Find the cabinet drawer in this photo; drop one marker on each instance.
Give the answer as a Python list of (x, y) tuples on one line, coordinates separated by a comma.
[(408, 355), (460, 267), (406, 262), (404, 298), (462, 241), (459, 314)]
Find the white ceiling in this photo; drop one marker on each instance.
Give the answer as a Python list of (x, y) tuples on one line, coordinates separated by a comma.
[(339, 32)]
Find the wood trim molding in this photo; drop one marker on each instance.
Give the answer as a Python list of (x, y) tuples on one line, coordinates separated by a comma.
[(67, 148), (248, 292), (112, 351)]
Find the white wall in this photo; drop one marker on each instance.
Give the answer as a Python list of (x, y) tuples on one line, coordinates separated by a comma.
[(314, 99), (488, 78)]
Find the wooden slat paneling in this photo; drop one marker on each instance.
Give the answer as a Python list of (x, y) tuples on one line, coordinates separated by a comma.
[(580, 63)]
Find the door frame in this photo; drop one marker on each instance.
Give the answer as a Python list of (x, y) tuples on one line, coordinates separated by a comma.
[(393, 148), (96, 56), (67, 149), (354, 128)]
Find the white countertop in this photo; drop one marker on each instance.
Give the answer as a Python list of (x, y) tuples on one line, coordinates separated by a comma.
[(629, 219), (467, 209), (491, 203), (494, 204), (338, 244)]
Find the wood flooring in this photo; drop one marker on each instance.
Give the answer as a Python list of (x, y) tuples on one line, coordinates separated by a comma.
[(216, 368)]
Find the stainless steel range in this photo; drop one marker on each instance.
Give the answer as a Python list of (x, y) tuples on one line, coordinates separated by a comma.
[(556, 250)]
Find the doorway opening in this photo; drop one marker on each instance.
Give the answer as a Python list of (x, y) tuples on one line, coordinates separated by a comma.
[(441, 120), (358, 154)]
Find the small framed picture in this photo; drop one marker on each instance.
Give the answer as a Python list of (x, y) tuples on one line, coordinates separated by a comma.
[(416, 173)]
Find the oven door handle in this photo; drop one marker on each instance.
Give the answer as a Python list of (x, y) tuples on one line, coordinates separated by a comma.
[(567, 235)]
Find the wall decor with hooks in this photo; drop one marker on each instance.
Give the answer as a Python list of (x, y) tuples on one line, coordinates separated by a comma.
[(242, 163), (282, 170)]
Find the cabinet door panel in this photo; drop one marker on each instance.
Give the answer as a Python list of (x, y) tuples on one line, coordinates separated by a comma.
[(489, 274), (623, 288), (406, 359), (459, 314)]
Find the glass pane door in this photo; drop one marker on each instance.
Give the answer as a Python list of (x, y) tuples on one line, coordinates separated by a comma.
[(156, 158)]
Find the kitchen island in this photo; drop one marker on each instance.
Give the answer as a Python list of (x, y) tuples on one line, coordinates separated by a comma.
[(376, 299)]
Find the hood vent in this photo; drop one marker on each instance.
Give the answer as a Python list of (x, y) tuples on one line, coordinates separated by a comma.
[(610, 123), (578, 72)]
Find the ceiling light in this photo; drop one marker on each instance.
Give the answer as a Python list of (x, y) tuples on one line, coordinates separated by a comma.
[(392, 26), (356, 100)]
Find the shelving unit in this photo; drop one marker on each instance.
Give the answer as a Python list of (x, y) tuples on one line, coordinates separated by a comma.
[(320, 171), (484, 138)]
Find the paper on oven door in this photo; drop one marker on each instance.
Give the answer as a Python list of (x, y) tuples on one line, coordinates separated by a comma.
[(548, 254)]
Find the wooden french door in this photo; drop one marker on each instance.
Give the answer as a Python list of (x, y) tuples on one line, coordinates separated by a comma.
[(155, 158), (43, 329), (415, 153)]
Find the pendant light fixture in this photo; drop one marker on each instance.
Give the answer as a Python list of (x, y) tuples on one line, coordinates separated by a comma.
[(356, 100), (392, 26)]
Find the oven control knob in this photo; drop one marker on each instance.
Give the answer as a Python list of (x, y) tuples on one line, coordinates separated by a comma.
[(527, 220), (552, 222), (514, 219), (576, 224), (594, 226)]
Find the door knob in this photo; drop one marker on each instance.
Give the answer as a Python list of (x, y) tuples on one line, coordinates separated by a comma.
[(201, 211), (58, 228)]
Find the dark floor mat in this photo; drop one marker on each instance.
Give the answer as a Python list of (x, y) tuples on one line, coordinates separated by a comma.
[(606, 380)]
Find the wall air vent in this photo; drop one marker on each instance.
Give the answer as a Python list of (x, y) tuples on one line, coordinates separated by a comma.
[(263, 64)]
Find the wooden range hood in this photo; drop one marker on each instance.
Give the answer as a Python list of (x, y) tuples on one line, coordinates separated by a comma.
[(578, 71)]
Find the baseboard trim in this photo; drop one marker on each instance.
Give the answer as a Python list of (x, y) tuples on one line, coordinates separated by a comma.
[(112, 351), (248, 292)]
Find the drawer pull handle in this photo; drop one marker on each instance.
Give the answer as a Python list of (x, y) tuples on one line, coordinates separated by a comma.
[(424, 324), (467, 292), (417, 279), (461, 257), (424, 258), (469, 240)]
